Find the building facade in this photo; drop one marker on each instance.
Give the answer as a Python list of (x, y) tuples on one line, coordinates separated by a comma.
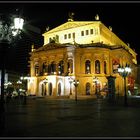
[(86, 51)]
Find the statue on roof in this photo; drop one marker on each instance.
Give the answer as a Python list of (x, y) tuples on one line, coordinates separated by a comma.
[(97, 17), (71, 18), (47, 28)]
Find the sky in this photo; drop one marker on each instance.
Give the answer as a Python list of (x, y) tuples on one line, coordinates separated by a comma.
[(123, 17)]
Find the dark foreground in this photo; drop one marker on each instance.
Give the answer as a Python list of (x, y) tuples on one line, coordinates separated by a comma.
[(54, 118)]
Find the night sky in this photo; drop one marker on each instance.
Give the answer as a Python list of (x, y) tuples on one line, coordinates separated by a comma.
[(123, 17)]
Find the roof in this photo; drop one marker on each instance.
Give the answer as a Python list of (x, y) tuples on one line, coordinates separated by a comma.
[(71, 24), (74, 24)]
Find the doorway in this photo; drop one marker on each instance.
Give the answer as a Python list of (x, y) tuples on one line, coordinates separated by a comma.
[(50, 89), (87, 88)]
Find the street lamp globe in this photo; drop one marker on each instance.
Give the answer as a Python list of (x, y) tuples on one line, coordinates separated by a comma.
[(124, 71), (127, 68), (18, 23), (76, 83), (10, 27), (45, 81)]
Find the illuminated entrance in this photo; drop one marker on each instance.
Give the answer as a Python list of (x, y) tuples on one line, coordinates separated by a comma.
[(87, 88), (59, 89), (50, 89)]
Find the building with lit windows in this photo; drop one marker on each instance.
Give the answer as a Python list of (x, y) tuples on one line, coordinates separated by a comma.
[(87, 51)]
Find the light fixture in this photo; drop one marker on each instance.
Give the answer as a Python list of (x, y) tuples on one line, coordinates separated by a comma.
[(124, 71), (76, 83), (10, 26)]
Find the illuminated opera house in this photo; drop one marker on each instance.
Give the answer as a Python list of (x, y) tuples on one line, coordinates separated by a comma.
[(86, 52)]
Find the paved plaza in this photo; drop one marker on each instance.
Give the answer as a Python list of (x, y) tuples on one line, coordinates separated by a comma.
[(54, 118)]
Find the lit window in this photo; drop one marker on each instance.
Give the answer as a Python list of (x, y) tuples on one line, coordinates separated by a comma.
[(70, 66), (82, 33), (61, 67), (87, 32), (87, 67), (36, 69), (73, 35), (52, 68), (69, 35), (44, 68), (91, 31), (97, 67), (65, 36)]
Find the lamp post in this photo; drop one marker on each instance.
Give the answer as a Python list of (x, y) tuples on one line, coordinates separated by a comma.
[(45, 82), (70, 81), (124, 72), (25, 79), (10, 27), (19, 83), (76, 83)]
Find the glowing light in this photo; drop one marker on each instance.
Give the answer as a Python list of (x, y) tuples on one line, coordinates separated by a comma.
[(97, 17), (18, 23), (19, 82)]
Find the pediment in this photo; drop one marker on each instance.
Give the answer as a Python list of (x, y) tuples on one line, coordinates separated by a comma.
[(71, 24)]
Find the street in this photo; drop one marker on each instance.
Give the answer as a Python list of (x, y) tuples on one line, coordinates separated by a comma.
[(42, 117)]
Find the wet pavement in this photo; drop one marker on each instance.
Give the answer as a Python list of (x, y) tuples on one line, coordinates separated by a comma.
[(41, 117)]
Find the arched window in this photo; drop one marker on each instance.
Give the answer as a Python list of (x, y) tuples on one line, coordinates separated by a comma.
[(50, 89), (61, 67), (59, 89), (87, 88), (105, 68), (87, 67), (44, 68), (53, 67), (97, 67), (36, 69), (70, 66), (49, 69)]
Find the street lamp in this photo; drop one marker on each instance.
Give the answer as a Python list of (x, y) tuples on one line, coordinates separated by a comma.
[(45, 82), (10, 27), (19, 83), (124, 72), (70, 81), (76, 83)]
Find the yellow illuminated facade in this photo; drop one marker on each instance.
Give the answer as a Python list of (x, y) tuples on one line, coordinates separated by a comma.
[(87, 51)]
